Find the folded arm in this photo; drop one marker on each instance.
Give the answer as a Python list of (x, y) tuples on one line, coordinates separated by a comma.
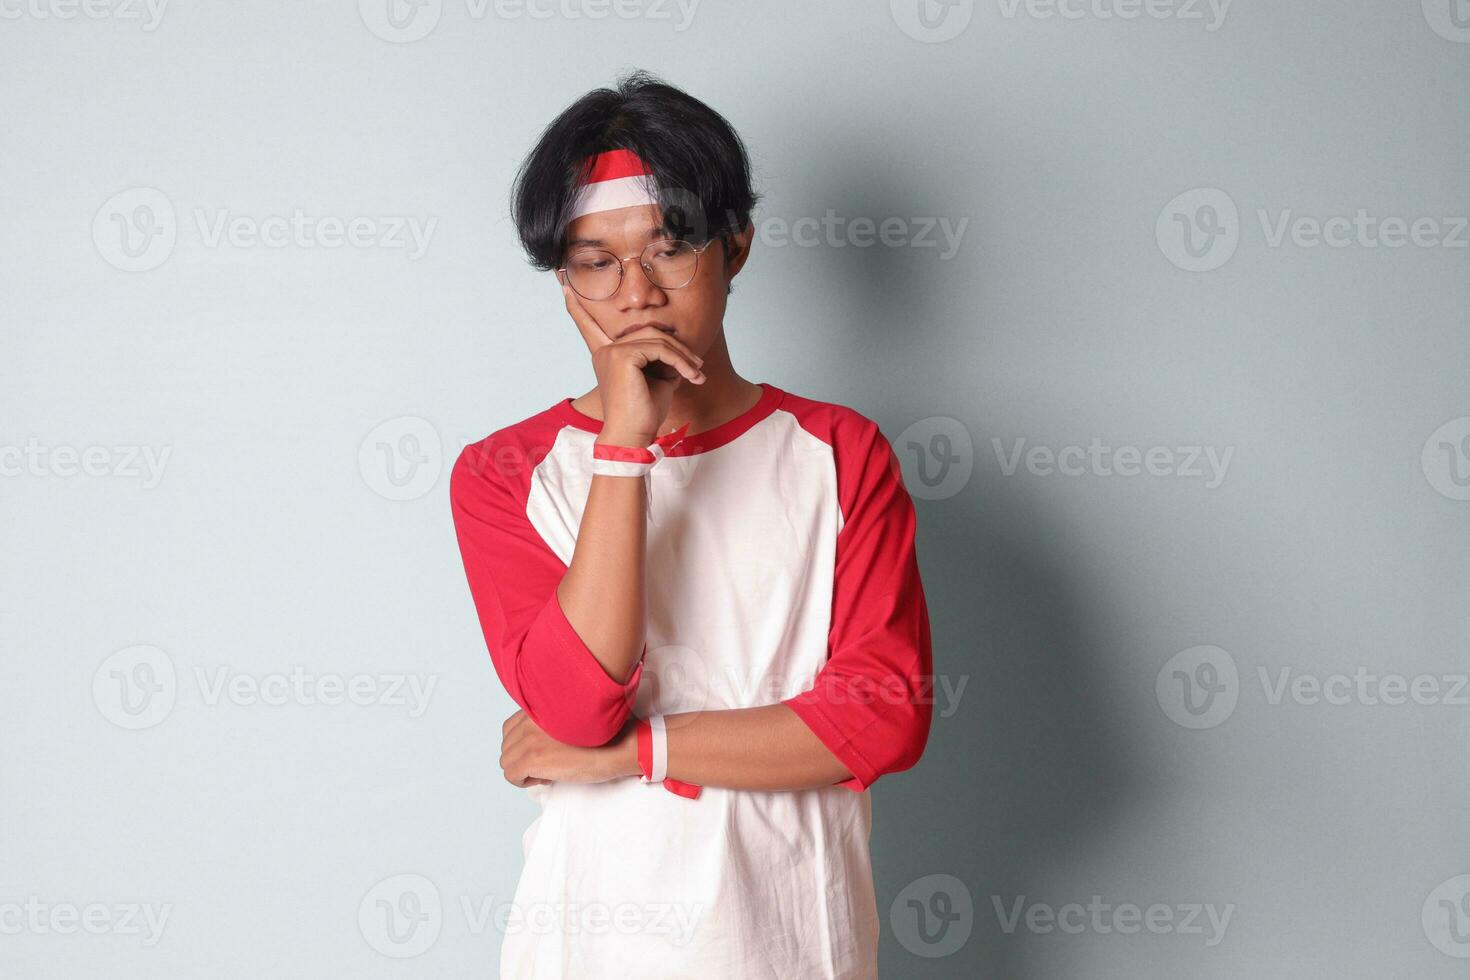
[(567, 641)]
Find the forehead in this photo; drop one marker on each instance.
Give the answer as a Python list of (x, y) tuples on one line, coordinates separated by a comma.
[(636, 225)]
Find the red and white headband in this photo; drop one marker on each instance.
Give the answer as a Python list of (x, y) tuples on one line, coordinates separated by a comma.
[(613, 179)]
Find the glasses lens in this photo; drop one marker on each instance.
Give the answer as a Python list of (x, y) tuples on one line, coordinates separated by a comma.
[(594, 274), (670, 264)]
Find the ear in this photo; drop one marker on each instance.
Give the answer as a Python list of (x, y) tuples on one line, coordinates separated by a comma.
[(737, 249)]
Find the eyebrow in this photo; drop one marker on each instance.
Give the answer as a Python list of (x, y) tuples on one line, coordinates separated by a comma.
[(654, 233)]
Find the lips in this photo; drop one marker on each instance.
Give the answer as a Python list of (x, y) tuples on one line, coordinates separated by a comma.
[(639, 326)]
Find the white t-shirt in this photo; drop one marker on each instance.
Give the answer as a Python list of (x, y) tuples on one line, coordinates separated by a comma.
[(780, 568)]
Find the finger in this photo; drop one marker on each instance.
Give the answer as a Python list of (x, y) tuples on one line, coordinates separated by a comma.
[(523, 781), (586, 325), (512, 738), (515, 764), (520, 764), (654, 333), (662, 347), (688, 351), (660, 351)]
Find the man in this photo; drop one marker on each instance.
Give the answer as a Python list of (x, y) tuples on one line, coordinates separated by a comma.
[(702, 592)]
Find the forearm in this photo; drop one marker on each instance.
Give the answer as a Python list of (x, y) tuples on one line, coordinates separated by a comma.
[(764, 748), (602, 592)]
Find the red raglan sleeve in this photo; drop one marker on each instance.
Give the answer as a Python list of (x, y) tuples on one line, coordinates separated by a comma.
[(871, 702), (543, 663)]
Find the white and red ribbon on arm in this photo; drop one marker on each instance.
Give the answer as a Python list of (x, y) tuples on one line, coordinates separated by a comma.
[(653, 758), (658, 761), (632, 460)]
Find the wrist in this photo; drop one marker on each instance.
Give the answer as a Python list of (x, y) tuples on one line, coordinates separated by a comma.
[(624, 438), (623, 753)]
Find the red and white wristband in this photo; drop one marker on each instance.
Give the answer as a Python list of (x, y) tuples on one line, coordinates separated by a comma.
[(653, 757), (632, 460)]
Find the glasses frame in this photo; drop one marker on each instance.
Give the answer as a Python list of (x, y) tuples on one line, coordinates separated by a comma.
[(566, 277)]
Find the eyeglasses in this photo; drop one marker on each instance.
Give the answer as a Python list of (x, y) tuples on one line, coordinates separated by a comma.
[(595, 274)]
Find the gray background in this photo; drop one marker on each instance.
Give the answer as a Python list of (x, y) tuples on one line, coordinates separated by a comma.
[(301, 390)]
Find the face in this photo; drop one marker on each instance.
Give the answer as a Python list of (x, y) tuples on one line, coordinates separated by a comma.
[(693, 313)]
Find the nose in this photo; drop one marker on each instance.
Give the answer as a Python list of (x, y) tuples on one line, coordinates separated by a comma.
[(638, 290)]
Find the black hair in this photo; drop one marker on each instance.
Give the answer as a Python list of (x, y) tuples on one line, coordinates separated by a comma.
[(697, 159)]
